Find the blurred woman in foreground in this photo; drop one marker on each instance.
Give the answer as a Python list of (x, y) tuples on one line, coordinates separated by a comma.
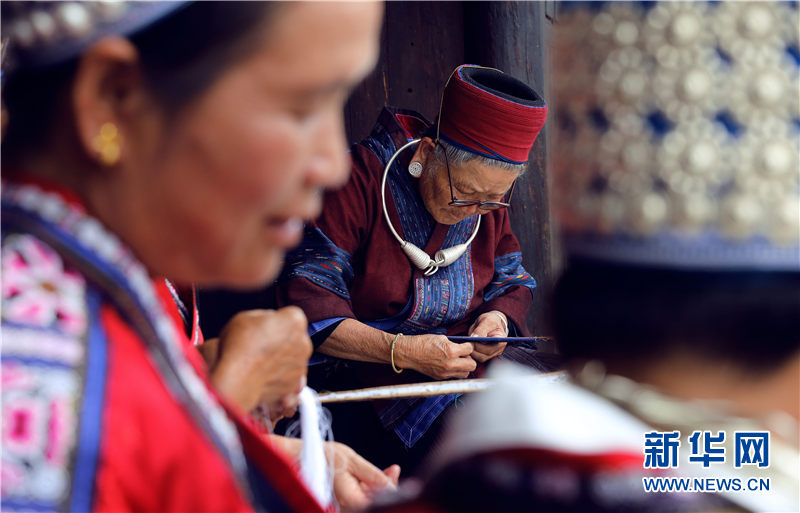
[(147, 140)]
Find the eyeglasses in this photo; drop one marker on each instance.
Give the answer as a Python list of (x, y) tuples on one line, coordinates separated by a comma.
[(482, 205)]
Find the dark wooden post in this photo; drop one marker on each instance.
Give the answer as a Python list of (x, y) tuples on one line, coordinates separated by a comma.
[(421, 44), (511, 36)]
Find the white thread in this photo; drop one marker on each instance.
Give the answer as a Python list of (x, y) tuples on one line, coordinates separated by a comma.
[(316, 471)]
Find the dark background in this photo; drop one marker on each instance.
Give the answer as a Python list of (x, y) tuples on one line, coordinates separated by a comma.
[(421, 43)]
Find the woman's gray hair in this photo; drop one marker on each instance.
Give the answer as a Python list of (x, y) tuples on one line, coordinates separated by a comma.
[(457, 156)]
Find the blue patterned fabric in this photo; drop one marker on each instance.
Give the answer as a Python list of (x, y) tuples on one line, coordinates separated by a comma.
[(319, 260), (508, 272), (443, 298), (416, 423)]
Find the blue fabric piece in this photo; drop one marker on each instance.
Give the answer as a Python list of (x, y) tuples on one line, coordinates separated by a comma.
[(417, 422), (43, 329), (320, 261), (313, 329), (37, 362), (386, 324), (508, 272), (316, 327), (318, 359), (89, 437)]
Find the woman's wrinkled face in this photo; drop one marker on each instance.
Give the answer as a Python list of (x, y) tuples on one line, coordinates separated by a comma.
[(471, 180), (235, 177)]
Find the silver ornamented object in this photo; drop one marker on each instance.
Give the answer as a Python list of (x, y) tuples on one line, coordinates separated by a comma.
[(693, 158), (46, 33), (747, 29), (677, 132), (674, 33), (23, 33), (75, 18), (763, 90), (44, 25), (415, 169)]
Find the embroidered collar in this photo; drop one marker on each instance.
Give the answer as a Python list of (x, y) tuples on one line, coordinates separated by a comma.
[(109, 264)]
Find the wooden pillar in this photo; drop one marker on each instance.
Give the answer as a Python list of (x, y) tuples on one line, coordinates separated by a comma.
[(421, 43), (511, 36)]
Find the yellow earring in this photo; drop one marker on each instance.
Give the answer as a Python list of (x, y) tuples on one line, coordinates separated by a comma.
[(108, 144)]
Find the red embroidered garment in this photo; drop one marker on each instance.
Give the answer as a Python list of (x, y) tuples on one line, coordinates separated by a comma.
[(91, 420)]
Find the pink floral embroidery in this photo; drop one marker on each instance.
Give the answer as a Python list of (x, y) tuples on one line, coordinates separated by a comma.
[(24, 423), (39, 429), (61, 421), (37, 290)]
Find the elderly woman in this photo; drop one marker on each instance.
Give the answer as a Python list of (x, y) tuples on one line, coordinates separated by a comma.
[(419, 244), (679, 310), (147, 140)]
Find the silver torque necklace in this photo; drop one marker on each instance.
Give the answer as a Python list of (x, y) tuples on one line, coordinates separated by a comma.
[(418, 257)]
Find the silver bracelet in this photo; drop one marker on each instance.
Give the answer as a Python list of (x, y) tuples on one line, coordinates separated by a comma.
[(502, 320)]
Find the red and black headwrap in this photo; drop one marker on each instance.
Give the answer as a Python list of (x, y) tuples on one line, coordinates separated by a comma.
[(487, 112)]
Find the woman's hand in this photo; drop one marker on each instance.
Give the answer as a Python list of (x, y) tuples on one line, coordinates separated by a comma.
[(355, 480), (489, 324), (262, 360), (435, 356)]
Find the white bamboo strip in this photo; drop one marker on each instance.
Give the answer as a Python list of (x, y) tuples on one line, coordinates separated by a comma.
[(459, 386)]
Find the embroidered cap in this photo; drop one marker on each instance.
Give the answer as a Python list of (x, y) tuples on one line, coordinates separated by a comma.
[(678, 133), (489, 113), (46, 33)]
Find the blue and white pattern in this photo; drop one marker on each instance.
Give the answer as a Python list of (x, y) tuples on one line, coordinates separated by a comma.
[(52, 353), (678, 132), (321, 262)]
